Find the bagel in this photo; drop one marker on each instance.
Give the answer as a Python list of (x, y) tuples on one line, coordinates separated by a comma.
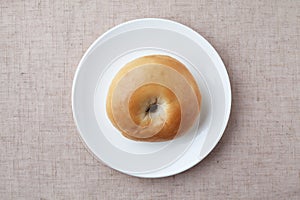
[(153, 98)]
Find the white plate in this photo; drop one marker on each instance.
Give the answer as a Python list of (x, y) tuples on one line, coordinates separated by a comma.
[(102, 61)]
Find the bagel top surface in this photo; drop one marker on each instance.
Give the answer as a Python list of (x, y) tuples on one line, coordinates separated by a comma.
[(153, 98)]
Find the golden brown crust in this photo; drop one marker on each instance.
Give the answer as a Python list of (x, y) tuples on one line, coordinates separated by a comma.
[(170, 128), (163, 97)]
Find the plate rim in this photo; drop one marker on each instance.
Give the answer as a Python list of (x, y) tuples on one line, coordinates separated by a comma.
[(223, 75)]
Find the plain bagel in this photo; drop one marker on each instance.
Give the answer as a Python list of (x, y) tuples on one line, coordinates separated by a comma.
[(153, 98)]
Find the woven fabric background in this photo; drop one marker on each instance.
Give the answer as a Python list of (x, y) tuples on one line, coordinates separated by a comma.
[(41, 154)]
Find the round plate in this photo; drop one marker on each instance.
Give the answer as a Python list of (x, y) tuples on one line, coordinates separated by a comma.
[(119, 46)]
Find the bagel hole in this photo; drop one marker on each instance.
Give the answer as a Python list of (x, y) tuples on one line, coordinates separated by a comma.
[(152, 108)]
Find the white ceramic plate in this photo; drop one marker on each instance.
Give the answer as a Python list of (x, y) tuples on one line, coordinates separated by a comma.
[(103, 60)]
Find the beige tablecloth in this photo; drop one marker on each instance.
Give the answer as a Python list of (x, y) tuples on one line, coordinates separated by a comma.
[(41, 155)]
